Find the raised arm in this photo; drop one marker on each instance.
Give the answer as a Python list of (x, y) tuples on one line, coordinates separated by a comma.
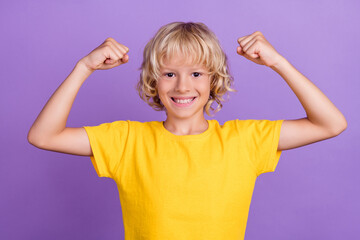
[(49, 130), (323, 119)]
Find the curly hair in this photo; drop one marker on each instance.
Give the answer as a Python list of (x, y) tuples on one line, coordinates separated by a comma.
[(189, 39)]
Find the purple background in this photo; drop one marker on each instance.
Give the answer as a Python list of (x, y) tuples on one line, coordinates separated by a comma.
[(314, 192)]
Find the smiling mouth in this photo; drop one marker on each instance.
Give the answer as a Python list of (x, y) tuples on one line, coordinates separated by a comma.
[(183, 101)]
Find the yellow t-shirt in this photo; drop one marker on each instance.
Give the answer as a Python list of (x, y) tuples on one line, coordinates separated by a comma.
[(190, 187)]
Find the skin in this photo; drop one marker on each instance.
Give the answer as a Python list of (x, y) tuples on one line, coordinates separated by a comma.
[(183, 79), (49, 130), (323, 119)]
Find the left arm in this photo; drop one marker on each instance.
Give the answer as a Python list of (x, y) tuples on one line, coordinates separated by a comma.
[(323, 119)]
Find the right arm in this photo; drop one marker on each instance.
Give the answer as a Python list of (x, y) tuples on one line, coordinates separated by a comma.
[(49, 130)]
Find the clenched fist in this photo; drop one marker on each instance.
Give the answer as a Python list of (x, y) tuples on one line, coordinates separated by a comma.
[(257, 49), (108, 55)]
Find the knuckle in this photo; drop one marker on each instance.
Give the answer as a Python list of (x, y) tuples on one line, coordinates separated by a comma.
[(124, 47), (122, 50), (107, 44)]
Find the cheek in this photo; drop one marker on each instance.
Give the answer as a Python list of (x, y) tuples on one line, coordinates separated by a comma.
[(162, 90), (204, 87), (160, 87), (164, 87)]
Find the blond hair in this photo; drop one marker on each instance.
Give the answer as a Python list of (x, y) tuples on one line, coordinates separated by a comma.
[(189, 39)]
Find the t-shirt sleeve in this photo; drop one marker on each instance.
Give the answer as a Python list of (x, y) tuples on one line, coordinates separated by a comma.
[(107, 142), (262, 142)]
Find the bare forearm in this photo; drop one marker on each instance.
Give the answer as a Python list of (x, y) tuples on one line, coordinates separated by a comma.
[(319, 109), (53, 117)]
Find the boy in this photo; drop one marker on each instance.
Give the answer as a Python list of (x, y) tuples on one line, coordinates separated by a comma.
[(185, 177)]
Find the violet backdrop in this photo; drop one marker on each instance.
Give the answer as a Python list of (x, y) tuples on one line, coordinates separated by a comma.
[(314, 192)]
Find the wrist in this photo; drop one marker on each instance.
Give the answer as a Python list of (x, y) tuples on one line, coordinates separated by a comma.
[(280, 65), (80, 73), (81, 64)]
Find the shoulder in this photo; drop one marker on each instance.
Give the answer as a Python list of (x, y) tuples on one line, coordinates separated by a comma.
[(252, 125), (144, 125), (131, 123), (244, 123), (139, 128), (123, 125)]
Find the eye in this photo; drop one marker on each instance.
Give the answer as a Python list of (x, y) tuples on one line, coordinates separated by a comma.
[(196, 74), (169, 75)]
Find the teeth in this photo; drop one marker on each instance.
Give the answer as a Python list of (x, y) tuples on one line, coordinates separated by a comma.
[(183, 100)]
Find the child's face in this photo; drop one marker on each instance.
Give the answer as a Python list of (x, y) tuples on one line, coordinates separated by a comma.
[(183, 88)]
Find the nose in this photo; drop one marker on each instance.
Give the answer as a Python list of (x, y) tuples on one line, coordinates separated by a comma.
[(183, 84)]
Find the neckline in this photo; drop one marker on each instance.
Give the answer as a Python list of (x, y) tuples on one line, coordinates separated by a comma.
[(170, 135)]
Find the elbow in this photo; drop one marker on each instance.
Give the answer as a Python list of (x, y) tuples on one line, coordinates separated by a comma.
[(34, 140), (31, 139), (340, 127)]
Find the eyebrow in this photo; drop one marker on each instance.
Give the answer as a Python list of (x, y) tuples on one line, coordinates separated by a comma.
[(199, 69)]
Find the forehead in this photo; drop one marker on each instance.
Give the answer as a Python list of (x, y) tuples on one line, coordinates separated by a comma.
[(180, 60)]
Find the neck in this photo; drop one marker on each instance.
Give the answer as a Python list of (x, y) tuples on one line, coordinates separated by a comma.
[(186, 126)]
